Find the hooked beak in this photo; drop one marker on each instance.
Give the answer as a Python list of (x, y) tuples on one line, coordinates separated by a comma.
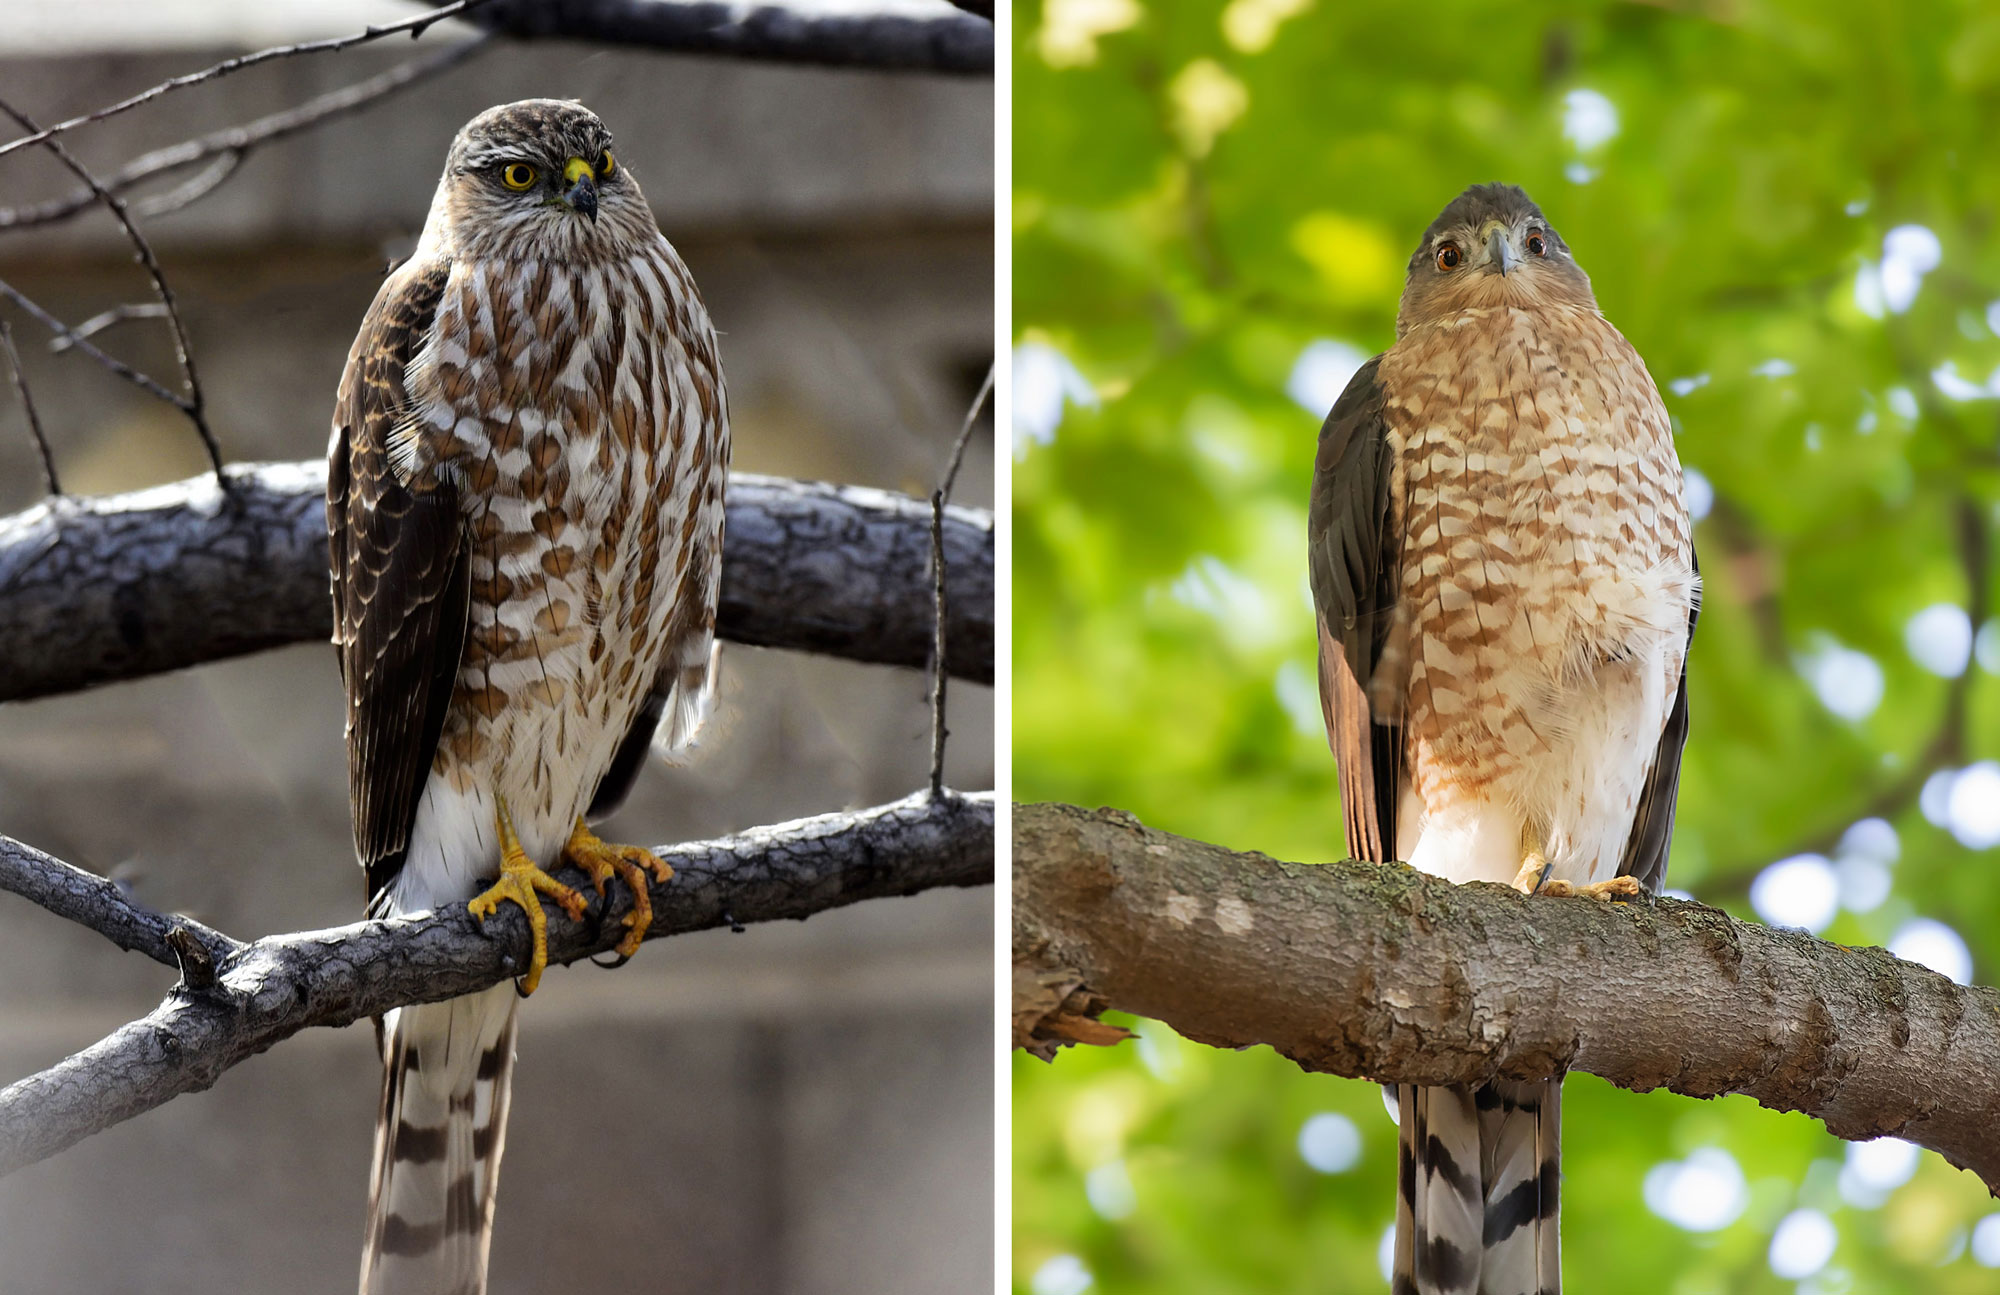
[(581, 195), (1498, 249)]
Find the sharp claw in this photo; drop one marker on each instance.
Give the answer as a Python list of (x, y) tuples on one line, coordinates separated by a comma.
[(620, 959)]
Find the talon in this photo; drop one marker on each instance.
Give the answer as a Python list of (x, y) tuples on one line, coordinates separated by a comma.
[(1617, 888), (600, 860), (617, 960), (521, 882), (1534, 868)]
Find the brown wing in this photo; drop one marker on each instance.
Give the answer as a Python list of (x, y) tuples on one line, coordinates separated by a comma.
[(400, 577), (1653, 826), (1353, 561)]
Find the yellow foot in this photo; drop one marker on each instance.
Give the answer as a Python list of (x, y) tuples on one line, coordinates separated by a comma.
[(1616, 888), (1529, 879), (600, 860), (523, 883)]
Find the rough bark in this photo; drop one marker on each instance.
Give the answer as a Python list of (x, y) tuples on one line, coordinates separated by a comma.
[(885, 41), (96, 590), (1385, 973), (254, 995)]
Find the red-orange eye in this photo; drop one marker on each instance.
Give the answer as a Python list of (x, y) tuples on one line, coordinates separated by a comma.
[(1448, 256), (1537, 245)]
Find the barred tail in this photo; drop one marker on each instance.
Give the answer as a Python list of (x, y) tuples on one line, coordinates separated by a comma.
[(1478, 1190), (438, 1138)]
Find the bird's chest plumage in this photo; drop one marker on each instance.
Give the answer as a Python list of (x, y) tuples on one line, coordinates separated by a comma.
[(1545, 562), (574, 410)]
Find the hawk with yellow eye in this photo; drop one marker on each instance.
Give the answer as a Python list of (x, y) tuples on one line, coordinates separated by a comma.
[(1506, 588), (524, 505)]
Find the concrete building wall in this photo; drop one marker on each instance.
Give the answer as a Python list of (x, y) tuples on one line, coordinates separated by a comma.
[(802, 1109)]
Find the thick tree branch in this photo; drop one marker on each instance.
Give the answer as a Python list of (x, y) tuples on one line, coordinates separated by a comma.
[(95, 590), (269, 990), (1385, 973), (896, 38)]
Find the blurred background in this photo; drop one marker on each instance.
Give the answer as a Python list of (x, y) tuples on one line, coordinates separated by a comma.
[(1790, 208), (804, 1110)]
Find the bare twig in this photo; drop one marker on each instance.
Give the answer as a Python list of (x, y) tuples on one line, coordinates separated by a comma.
[(939, 619), (28, 406), (770, 30), (415, 25), (230, 146), (265, 992), (119, 587), (1381, 972), (98, 323), (69, 337), (193, 405)]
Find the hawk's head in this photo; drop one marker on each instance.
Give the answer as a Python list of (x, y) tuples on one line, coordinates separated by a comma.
[(538, 178), (1491, 247)]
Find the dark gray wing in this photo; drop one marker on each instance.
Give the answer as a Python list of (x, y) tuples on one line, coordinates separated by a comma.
[(617, 782), (1653, 826), (1353, 562), (400, 578)]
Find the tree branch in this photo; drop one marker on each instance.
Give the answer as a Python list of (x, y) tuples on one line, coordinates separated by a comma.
[(269, 990), (892, 39), (95, 590), (236, 142), (1385, 973)]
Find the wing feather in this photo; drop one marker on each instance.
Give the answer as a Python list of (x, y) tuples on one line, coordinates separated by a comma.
[(400, 567), (1652, 836), (1353, 561)]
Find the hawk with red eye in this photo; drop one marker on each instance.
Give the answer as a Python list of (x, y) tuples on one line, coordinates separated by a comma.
[(1506, 590)]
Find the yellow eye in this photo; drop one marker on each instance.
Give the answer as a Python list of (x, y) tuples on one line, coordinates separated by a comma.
[(606, 164), (518, 176)]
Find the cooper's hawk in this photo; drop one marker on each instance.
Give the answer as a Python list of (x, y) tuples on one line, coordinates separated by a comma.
[(524, 502), (1506, 590)]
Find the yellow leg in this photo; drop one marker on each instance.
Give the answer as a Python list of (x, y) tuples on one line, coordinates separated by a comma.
[(523, 883), (600, 860), (1534, 866), (1529, 879)]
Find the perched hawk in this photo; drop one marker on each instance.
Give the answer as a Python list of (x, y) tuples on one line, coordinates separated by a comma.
[(524, 504), (1506, 590)]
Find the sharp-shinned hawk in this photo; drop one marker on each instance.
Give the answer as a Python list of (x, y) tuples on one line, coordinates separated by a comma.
[(1506, 591), (525, 502)]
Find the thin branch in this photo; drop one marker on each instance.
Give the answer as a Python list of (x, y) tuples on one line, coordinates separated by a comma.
[(106, 319), (192, 406), (1381, 972), (938, 619), (70, 338), (265, 992), (892, 39), (415, 25), (95, 590), (28, 406), (100, 904), (230, 146)]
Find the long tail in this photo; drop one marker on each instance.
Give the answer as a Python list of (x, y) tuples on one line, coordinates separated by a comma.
[(1477, 1206), (447, 1068)]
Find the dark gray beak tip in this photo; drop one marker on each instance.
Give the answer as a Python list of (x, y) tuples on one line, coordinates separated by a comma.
[(582, 197)]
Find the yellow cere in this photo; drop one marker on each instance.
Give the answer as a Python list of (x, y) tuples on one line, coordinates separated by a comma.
[(575, 169)]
